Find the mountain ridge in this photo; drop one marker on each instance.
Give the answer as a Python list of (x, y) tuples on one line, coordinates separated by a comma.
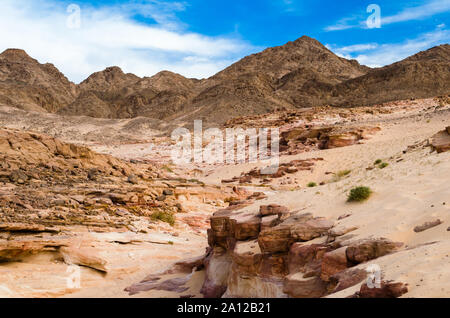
[(301, 73)]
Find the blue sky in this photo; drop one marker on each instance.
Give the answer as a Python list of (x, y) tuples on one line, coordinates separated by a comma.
[(197, 38)]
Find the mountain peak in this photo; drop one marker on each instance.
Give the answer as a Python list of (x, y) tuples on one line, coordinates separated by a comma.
[(16, 55), (113, 69)]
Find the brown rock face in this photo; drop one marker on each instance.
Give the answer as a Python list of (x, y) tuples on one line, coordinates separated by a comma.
[(368, 249), (334, 262), (279, 238), (84, 257), (272, 209), (275, 257), (441, 141), (310, 229), (307, 258), (345, 279)]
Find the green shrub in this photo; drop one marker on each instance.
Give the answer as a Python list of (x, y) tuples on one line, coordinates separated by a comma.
[(359, 194), (343, 173), (383, 165), (164, 216), (378, 161), (312, 185)]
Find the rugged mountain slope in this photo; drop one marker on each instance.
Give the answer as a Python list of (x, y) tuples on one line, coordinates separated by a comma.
[(422, 75), (275, 79), (26, 84), (113, 94), (299, 74)]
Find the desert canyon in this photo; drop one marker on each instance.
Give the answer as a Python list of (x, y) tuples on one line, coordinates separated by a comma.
[(87, 181)]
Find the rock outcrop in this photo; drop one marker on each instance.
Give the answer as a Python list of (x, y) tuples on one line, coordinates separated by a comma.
[(441, 141), (254, 256), (48, 186)]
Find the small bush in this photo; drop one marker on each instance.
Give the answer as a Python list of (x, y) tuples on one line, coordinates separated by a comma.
[(312, 185), (343, 173), (383, 165), (359, 194), (378, 161), (164, 216)]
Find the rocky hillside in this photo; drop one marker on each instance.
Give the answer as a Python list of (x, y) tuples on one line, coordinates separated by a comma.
[(26, 84), (298, 74)]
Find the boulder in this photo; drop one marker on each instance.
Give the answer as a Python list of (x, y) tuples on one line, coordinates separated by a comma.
[(367, 249), (273, 209), (386, 290), (333, 262), (84, 257), (441, 141), (427, 225), (345, 279), (306, 231), (341, 140), (133, 179)]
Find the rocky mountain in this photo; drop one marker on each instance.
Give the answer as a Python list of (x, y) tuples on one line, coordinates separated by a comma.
[(299, 74), (26, 84), (422, 75)]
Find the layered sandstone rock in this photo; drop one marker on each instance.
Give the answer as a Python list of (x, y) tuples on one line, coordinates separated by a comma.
[(270, 253), (299, 139)]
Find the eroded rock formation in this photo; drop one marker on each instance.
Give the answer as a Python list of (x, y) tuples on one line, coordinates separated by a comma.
[(273, 252)]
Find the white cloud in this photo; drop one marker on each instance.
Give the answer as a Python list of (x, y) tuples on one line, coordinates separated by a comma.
[(109, 36), (356, 48), (344, 24), (428, 9), (415, 13), (384, 54)]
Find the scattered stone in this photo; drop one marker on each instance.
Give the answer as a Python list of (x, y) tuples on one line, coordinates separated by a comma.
[(18, 176), (92, 174), (161, 198), (133, 179), (427, 225), (387, 290)]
